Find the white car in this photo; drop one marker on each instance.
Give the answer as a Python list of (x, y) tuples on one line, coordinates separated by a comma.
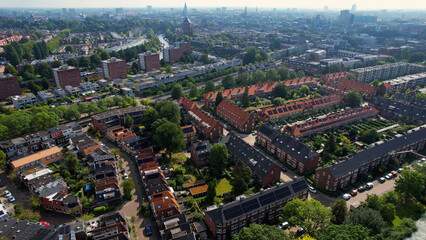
[(11, 198), (346, 196), (283, 225), (8, 193), (312, 189)]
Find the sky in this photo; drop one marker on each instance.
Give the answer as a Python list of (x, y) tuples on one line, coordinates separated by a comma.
[(307, 4)]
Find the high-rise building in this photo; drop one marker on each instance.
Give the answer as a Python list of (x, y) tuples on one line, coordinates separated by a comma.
[(185, 11), (149, 8), (64, 11), (118, 10), (9, 86), (114, 68), (149, 61), (71, 12), (67, 76), (353, 8), (187, 26), (224, 9), (346, 18), (174, 52)]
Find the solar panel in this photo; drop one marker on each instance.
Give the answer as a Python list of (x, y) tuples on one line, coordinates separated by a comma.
[(275, 111), (290, 108), (326, 100), (270, 112), (317, 102), (282, 193), (313, 103), (285, 109), (267, 199), (250, 205), (232, 212), (280, 110), (321, 101), (299, 106), (298, 186)]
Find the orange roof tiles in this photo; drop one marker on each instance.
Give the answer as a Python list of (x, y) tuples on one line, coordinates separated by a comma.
[(198, 190), (344, 85), (187, 185), (233, 111), (187, 104)]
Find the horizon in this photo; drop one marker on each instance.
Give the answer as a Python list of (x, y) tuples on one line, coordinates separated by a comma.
[(362, 5)]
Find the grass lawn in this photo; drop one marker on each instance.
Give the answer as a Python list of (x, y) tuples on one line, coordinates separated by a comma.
[(179, 161), (223, 187)]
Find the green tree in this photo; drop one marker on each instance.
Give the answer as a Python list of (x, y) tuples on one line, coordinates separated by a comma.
[(369, 136), (375, 83), (218, 158), (219, 98), (149, 116), (128, 185), (209, 87), (405, 54), (259, 76), (28, 72), (284, 73), (11, 70), (177, 91), (4, 132), (254, 55), (309, 214), (339, 211), (193, 93), (278, 101), (245, 101), (95, 60), (45, 83), (72, 62), (280, 91), (410, 184), (169, 136), (388, 212), (135, 68), (351, 76), (243, 79), (169, 111), (3, 161), (368, 218), (69, 48), (417, 57), (344, 232), (390, 59), (272, 74), (72, 114), (56, 64), (104, 55), (293, 74), (84, 62), (242, 178), (304, 90), (128, 122), (44, 120), (228, 82), (35, 201), (300, 73), (353, 98), (169, 69), (205, 58), (261, 232), (211, 191)]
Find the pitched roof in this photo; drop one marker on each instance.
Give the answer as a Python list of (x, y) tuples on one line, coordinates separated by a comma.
[(360, 158), (187, 104), (400, 108), (268, 131), (198, 190), (344, 85), (259, 164), (256, 201), (36, 156), (233, 111), (294, 148)]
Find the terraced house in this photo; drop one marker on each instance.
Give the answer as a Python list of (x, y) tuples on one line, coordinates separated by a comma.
[(299, 108), (289, 150), (331, 121), (103, 121), (238, 118), (258, 90), (265, 206), (342, 174)]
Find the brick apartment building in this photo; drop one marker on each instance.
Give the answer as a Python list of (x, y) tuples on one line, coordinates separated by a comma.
[(43, 158), (260, 208), (290, 150), (265, 171), (149, 61), (9, 86), (238, 118), (398, 111), (203, 122), (343, 86), (330, 121), (114, 68), (299, 108), (346, 172), (311, 67), (401, 84), (189, 134), (200, 152), (103, 121), (175, 51), (67, 76), (260, 89)]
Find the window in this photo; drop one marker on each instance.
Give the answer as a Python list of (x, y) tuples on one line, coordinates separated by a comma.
[(53, 156), (47, 158), (57, 154)]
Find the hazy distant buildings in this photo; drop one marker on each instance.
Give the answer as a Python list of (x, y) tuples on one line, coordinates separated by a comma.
[(185, 11), (353, 8), (187, 26), (118, 11), (346, 18), (149, 8)]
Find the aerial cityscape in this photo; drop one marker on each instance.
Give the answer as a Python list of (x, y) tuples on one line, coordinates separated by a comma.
[(196, 120)]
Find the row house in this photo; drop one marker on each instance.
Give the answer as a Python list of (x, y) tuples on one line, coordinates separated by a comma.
[(330, 121), (289, 150), (260, 89), (346, 172), (194, 184), (311, 67), (398, 111), (43, 158), (410, 99), (164, 205), (200, 152), (103, 121), (107, 190), (125, 138), (203, 122), (111, 226), (343, 86), (265, 171), (176, 227), (299, 108), (263, 207), (189, 134), (84, 145), (333, 77), (238, 118), (401, 84)]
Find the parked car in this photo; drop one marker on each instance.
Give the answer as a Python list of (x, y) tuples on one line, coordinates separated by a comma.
[(148, 230), (369, 185), (284, 169), (354, 192), (8, 193), (300, 230), (312, 189), (123, 171), (400, 170), (346, 196), (125, 176), (11, 198), (362, 189), (388, 176), (382, 180), (394, 173), (283, 225)]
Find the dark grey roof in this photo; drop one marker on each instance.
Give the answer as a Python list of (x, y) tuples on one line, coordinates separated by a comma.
[(202, 149), (268, 131), (400, 108), (17, 229), (259, 200), (359, 158), (259, 163), (294, 148)]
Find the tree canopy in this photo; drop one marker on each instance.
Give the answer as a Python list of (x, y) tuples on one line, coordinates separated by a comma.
[(169, 136), (169, 110), (261, 232), (218, 157)]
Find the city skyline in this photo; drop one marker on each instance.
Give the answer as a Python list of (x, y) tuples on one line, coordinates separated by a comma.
[(303, 4)]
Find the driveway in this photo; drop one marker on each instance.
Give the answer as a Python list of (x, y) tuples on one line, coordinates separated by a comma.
[(139, 195)]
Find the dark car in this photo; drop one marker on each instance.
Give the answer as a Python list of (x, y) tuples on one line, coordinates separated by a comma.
[(284, 169), (382, 180), (148, 230)]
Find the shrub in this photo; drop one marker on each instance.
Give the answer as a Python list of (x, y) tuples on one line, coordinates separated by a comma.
[(99, 210)]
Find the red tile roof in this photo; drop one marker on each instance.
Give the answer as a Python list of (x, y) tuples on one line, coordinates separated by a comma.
[(343, 86), (233, 111), (187, 104), (333, 119), (334, 76), (198, 190)]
